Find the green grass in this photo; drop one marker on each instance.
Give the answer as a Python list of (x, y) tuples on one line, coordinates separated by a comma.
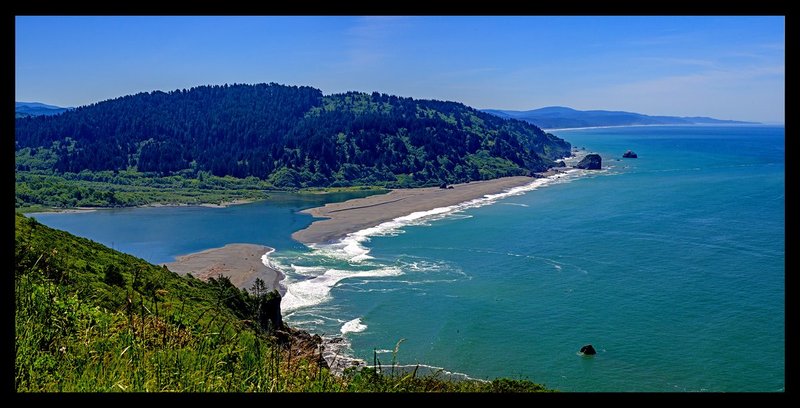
[(41, 192), (92, 319), (36, 191)]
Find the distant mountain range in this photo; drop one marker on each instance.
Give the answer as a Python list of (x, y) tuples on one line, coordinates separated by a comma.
[(560, 117), (22, 109)]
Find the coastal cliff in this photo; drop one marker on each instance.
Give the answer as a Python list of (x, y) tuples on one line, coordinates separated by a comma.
[(92, 319)]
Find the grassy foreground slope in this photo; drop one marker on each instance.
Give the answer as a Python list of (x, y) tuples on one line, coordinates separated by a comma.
[(92, 319)]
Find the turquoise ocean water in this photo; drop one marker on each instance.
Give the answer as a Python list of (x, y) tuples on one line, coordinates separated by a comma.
[(671, 265)]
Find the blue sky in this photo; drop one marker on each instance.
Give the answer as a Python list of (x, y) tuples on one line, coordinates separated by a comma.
[(724, 67)]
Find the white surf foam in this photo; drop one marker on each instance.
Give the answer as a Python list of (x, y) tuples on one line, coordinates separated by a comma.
[(348, 249), (353, 326), (309, 292), (317, 290), (351, 248), (423, 370), (307, 270), (423, 265), (265, 259)]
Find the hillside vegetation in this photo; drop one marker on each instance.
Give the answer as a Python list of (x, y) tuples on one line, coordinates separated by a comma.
[(271, 136), (88, 319)]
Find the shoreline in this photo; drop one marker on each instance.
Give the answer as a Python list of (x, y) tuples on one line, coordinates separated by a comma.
[(242, 263), (222, 204), (343, 218), (616, 126), (658, 125), (73, 210)]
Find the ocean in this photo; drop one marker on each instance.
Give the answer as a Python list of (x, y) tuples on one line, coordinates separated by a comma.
[(672, 265)]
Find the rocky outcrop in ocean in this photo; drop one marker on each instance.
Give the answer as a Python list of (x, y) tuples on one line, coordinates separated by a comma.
[(630, 155), (590, 162)]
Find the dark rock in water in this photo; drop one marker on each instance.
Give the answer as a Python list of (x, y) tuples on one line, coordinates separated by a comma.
[(630, 155), (590, 162), (588, 350), (450, 187), (560, 164)]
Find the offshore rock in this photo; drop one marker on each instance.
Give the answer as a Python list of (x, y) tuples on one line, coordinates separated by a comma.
[(630, 155), (588, 350), (590, 162)]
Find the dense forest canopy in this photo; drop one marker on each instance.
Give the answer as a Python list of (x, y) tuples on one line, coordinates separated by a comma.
[(289, 136)]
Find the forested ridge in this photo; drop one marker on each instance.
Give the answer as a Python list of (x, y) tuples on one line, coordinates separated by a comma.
[(292, 136), (227, 142)]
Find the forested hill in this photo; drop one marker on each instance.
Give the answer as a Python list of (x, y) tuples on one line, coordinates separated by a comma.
[(290, 136)]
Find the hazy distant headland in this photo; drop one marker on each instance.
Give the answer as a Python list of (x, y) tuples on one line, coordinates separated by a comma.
[(24, 109), (560, 117)]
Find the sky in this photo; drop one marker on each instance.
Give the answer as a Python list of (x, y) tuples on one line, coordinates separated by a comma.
[(722, 67)]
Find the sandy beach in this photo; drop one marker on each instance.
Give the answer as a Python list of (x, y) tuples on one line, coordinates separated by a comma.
[(240, 262), (357, 214)]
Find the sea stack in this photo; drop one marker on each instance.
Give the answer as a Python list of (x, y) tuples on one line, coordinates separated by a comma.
[(588, 350), (590, 162), (630, 155)]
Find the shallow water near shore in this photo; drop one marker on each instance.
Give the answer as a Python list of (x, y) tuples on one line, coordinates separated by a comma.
[(159, 234), (671, 265)]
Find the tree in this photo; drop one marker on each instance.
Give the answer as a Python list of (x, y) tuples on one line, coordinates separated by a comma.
[(113, 276), (259, 288), (285, 178)]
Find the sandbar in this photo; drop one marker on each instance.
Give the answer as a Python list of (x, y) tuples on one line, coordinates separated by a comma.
[(239, 262), (354, 215)]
